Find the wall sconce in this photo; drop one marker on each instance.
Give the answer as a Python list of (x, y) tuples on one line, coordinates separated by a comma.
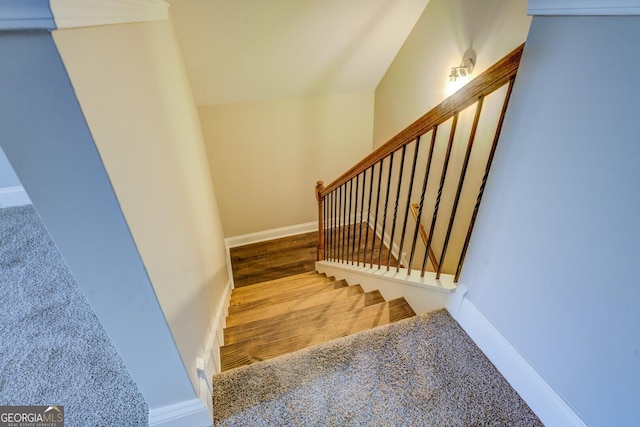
[(460, 75), (466, 66)]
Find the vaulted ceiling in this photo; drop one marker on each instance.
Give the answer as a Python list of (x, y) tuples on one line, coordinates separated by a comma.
[(248, 50)]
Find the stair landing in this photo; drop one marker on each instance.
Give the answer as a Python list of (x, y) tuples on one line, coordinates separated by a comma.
[(277, 317)]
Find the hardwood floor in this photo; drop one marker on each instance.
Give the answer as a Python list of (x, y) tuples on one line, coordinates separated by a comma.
[(274, 259)]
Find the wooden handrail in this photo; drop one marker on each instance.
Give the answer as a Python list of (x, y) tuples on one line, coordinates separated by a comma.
[(492, 79)]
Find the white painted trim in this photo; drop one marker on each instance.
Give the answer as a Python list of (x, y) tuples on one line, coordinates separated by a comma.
[(443, 284), (21, 15), (209, 364), (276, 233), (216, 338), (13, 196), (188, 413), (584, 7), (455, 300), (539, 395), (422, 297), (87, 13)]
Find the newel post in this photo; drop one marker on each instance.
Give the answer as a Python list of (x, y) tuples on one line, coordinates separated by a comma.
[(320, 198)]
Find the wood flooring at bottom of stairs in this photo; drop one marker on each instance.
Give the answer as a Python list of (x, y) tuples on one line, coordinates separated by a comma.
[(280, 316)]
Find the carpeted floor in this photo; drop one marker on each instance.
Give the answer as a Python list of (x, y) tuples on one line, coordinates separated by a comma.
[(53, 350), (423, 371)]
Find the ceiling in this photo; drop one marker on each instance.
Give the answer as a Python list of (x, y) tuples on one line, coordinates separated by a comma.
[(250, 50)]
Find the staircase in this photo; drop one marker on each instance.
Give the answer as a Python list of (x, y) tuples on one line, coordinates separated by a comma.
[(281, 316)]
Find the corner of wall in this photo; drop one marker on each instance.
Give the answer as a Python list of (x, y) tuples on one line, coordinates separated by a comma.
[(545, 402)]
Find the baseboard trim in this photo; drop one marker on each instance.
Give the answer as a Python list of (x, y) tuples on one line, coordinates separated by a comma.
[(541, 398), (88, 13), (217, 329), (424, 294), (209, 364), (583, 7), (188, 413), (13, 196), (276, 233)]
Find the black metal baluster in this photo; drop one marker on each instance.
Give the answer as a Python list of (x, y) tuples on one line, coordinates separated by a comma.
[(406, 211), (348, 222), (384, 216), (424, 189), (439, 196), (366, 236), (328, 243), (355, 222), (339, 248), (484, 179), (344, 221), (325, 229), (395, 209), (375, 225), (334, 239), (338, 196), (463, 172), (364, 180)]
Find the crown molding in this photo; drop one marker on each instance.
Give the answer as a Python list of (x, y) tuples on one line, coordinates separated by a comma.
[(584, 7), (25, 15), (87, 13)]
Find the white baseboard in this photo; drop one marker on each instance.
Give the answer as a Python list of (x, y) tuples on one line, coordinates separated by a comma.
[(541, 398), (423, 294), (583, 7), (188, 413), (216, 339), (276, 233), (209, 364), (13, 196)]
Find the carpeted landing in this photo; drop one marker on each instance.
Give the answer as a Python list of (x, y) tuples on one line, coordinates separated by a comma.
[(423, 371), (53, 350)]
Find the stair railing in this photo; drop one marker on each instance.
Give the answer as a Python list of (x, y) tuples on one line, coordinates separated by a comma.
[(358, 221)]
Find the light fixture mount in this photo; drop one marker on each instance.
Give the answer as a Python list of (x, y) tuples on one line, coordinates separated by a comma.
[(466, 65)]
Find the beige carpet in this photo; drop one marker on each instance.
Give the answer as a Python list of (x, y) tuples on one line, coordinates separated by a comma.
[(423, 371)]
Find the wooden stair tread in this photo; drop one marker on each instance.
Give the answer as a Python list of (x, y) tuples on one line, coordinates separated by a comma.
[(267, 347), (289, 322), (278, 282), (249, 293), (251, 302), (251, 315)]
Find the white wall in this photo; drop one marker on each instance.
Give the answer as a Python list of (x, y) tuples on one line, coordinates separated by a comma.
[(267, 156), (134, 92), (415, 81), (553, 262)]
